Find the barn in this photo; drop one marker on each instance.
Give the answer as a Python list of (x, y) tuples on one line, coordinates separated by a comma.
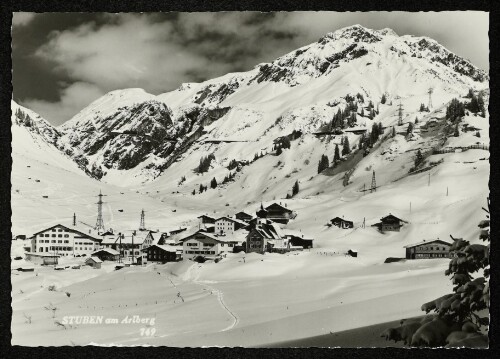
[(389, 223), (94, 262), (106, 254), (162, 253), (429, 249), (342, 223)]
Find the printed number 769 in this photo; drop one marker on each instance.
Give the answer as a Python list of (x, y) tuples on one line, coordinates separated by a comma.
[(148, 332)]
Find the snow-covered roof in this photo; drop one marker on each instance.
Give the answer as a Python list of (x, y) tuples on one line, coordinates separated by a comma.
[(95, 259), (427, 242), (107, 250), (291, 232), (156, 237), (69, 229), (235, 220), (211, 236), (42, 255), (163, 247)]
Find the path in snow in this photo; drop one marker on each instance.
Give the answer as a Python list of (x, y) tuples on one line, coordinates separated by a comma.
[(220, 295)]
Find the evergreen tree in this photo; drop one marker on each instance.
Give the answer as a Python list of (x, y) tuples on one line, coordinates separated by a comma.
[(295, 188), (336, 156), (380, 129), (213, 183), (194, 192), (416, 120), (457, 131), (361, 140), (362, 113), (470, 94), (323, 164), (342, 140), (458, 320), (409, 129), (393, 131), (418, 158), (455, 110), (383, 99), (346, 149)]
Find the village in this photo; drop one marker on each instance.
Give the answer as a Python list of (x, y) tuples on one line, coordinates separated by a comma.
[(210, 240)]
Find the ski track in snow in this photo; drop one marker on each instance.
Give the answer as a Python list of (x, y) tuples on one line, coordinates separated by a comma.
[(220, 295)]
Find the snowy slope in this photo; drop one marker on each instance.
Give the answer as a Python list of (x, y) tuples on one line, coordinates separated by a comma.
[(257, 300)]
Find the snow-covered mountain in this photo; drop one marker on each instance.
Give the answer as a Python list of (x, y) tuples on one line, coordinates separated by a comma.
[(301, 90)]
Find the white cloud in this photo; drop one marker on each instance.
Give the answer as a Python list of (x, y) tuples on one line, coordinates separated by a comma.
[(22, 18), (158, 54), (73, 98)]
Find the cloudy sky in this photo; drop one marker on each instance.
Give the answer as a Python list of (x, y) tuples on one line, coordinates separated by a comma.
[(64, 61)]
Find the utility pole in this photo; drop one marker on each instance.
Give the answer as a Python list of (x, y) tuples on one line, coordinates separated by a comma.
[(400, 113), (430, 91), (120, 236), (364, 189), (142, 226), (99, 226), (364, 222), (374, 184), (429, 182), (74, 219), (133, 247)]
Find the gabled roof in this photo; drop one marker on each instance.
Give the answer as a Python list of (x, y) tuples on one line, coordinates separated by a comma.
[(235, 220), (69, 230), (427, 242), (156, 237), (206, 216), (165, 248), (292, 233), (95, 259), (278, 206), (107, 250), (342, 219), (391, 216), (211, 236), (243, 213)]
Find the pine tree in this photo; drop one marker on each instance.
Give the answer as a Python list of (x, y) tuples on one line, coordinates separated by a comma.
[(380, 129), (418, 158), (336, 156), (383, 99), (416, 120), (323, 164), (362, 113), (458, 320), (295, 188), (393, 131), (409, 129), (194, 192), (346, 149), (470, 94), (213, 183)]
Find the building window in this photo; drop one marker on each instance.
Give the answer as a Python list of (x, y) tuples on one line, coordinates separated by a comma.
[(66, 236)]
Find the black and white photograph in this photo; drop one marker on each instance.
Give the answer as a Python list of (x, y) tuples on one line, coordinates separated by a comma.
[(286, 179)]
